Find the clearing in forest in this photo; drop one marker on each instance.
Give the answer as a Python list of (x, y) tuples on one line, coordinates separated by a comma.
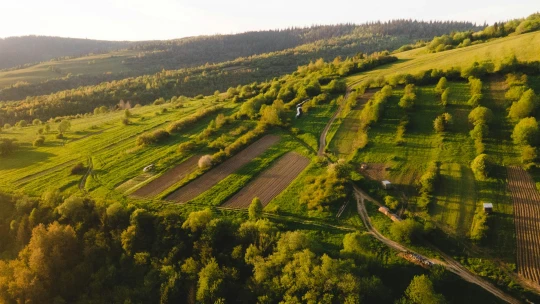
[(527, 220), (271, 182), (168, 179), (215, 175)]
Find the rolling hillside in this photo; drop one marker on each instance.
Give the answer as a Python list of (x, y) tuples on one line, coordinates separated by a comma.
[(273, 52)]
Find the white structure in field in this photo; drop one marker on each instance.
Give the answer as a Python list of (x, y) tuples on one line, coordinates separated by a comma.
[(488, 207), (386, 184)]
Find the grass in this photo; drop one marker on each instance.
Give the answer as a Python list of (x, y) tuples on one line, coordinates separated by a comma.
[(524, 46), (110, 144), (458, 194), (93, 65)]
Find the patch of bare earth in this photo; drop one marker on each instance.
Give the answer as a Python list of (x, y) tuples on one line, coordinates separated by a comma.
[(168, 179), (271, 182), (215, 175), (374, 171), (526, 199)]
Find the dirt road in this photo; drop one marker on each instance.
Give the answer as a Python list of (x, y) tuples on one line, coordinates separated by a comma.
[(448, 262)]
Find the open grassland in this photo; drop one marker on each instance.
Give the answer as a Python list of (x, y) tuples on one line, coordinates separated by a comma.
[(271, 182), (524, 46), (89, 65), (110, 144), (217, 174), (527, 219)]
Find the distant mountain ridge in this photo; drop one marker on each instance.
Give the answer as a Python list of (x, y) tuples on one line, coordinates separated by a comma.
[(194, 51)]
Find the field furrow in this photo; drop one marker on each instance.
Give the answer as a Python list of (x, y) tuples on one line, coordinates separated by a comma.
[(527, 219), (215, 175), (271, 182)]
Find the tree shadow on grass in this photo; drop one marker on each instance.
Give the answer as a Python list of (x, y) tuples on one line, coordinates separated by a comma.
[(24, 156)]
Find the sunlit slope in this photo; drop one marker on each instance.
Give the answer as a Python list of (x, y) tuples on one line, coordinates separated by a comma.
[(88, 65), (526, 47)]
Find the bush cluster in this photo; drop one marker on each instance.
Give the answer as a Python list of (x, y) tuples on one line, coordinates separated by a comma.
[(151, 138)]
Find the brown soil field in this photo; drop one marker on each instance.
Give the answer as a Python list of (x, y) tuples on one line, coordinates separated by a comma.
[(168, 179), (526, 201), (215, 175), (271, 182)]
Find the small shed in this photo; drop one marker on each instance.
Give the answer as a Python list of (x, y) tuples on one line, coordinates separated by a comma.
[(363, 166), (488, 207), (386, 184)]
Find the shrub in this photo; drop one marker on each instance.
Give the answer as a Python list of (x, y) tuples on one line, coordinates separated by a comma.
[(480, 115), (186, 147), (475, 99), (404, 231), (205, 162), (151, 138), (525, 106), (528, 154), (481, 166), (79, 168), (38, 142), (441, 85), (479, 227), (526, 132), (391, 202), (444, 97), (180, 125)]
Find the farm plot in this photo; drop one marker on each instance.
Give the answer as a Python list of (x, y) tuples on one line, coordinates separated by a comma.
[(271, 182), (168, 179), (527, 220), (214, 176)]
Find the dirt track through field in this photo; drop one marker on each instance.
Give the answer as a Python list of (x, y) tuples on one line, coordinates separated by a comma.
[(214, 176), (168, 179), (526, 201), (271, 182)]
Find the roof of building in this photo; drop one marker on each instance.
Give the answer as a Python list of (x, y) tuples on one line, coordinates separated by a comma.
[(488, 205), (385, 182)]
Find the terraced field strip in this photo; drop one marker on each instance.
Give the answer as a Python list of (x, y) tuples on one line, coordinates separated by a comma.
[(271, 182), (527, 220), (129, 185), (168, 179), (214, 176), (44, 172)]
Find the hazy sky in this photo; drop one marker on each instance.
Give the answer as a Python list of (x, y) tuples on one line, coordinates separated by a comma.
[(167, 19)]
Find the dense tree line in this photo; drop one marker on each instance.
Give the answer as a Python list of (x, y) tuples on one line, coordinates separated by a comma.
[(460, 39), (73, 249), (167, 85), (200, 50)]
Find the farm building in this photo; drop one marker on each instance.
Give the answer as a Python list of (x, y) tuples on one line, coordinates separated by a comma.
[(386, 184), (488, 207)]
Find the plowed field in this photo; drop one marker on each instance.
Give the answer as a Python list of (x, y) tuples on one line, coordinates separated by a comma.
[(214, 176), (168, 179), (527, 220), (271, 182)]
